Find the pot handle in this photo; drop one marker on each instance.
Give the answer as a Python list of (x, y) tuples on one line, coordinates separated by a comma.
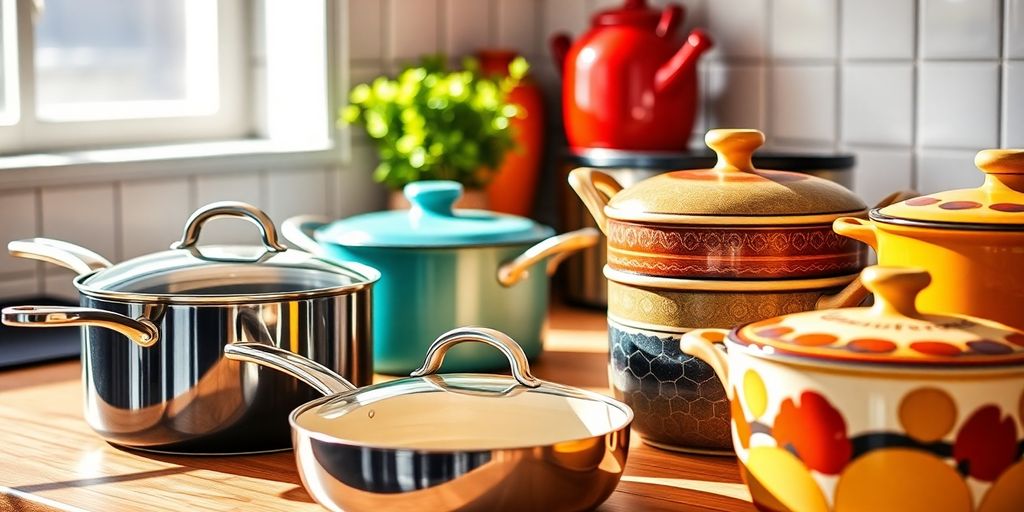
[(706, 345), (299, 231), (864, 231), (140, 330), (238, 209), (316, 375), (497, 339), (76, 258), (595, 188), (558, 248)]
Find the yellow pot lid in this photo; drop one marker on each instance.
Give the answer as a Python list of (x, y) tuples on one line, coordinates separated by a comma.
[(734, 187), (997, 204), (892, 331)]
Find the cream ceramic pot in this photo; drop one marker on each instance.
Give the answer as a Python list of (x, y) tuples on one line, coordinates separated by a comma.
[(882, 408)]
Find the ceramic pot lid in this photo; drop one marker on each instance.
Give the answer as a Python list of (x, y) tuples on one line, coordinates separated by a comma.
[(892, 331), (733, 187), (432, 222), (997, 204)]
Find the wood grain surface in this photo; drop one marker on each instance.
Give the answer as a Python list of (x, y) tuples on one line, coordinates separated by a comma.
[(50, 460)]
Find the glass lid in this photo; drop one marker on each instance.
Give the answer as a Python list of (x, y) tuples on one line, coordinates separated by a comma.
[(464, 411), (432, 222), (733, 187), (997, 204), (892, 331), (189, 273)]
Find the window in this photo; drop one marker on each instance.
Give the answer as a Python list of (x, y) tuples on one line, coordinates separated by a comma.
[(86, 73)]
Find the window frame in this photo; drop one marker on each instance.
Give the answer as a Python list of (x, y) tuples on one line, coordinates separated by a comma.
[(232, 120)]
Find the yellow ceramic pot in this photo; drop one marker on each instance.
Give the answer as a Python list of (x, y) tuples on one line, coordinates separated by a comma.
[(970, 240), (882, 409)]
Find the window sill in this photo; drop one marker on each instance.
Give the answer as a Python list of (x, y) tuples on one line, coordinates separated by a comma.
[(73, 167)]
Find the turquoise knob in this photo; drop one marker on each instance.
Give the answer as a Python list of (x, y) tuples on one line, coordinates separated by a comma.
[(436, 197)]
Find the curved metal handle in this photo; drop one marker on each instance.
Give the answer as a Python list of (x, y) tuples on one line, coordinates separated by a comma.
[(74, 257), (595, 188), (558, 248), (316, 375), (238, 209), (299, 231), (707, 345), (497, 339), (864, 231), (140, 330)]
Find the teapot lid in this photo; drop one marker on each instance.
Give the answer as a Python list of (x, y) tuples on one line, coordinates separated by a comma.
[(634, 12), (998, 204), (892, 331), (733, 190)]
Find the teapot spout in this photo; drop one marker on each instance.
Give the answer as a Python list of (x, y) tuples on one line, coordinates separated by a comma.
[(683, 63)]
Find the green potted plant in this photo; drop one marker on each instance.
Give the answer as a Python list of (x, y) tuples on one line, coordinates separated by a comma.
[(431, 123)]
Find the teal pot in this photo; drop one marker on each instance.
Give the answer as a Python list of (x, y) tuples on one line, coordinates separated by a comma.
[(442, 269)]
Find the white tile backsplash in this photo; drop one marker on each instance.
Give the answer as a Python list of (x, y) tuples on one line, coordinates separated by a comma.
[(739, 28), (958, 105), (469, 27), (19, 287), (243, 187), (563, 16), (804, 29), (877, 103), (517, 26), (735, 96), (943, 169), (413, 28), (877, 29), (1013, 105), (153, 214), (82, 215), (879, 172), (297, 192), (18, 209), (960, 29), (1014, 29), (803, 103), (365, 29)]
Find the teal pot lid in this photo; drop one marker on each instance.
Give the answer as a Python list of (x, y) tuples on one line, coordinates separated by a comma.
[(432, 222)]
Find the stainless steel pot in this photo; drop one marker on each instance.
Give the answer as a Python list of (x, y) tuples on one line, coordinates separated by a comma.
[(453, 441), (155, 326)]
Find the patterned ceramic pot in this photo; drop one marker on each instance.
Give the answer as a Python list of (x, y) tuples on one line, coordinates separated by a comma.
[(679, 402), (729, 222), (882, 408), (972, 241)]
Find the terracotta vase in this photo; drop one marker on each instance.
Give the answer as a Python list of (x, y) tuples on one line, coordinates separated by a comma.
[(475, 199), (514, 186)]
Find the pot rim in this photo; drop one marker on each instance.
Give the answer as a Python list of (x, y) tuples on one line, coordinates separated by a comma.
[(876, 215), (369, 274), (729, 220), (429, 248), (321, 436), (901, 369), (727, 285)]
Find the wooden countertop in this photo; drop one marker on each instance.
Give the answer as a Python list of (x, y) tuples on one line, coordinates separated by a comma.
[(50, 459)]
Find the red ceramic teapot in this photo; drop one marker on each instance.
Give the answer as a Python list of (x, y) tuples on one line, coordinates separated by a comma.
[(627, 84)]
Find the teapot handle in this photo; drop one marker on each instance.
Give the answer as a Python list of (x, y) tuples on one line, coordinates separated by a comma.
[(670, 20), (560, 44)]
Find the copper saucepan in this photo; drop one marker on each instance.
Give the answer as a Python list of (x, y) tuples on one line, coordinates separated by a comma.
[(460, 441)]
